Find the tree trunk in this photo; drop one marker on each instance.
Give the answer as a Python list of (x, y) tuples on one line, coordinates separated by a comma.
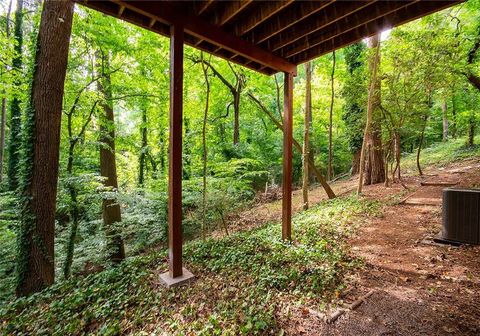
[(143, 150), (306, 137), (444, 120), (371, 157), (108, 168), (3, 121), (356, 162), (397, 153), (74, 211), (471, 130), (420, 145), (330, 121), (205, 153), (454, 118), (15, 110), (162, 150), (35, 261), (236, 112)]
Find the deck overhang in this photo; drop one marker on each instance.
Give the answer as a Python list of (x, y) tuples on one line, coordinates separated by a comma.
[(270, 36)]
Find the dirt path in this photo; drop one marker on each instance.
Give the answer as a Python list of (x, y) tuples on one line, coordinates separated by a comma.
[(419, 289)]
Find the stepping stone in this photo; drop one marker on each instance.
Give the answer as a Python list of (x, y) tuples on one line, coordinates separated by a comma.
[(423, 201), (439, 183)]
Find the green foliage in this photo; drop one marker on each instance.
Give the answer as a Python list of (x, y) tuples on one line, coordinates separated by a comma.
[(8, 226), (15, 110), (441, 154), (241, 282), (353, 92)]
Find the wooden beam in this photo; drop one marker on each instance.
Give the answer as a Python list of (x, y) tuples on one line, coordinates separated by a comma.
[(167, 12), (287, 157), (363, 17), (203, 6), (278, 23), (229, 10), (404, 15), (175, 240), (260, 14), (316, 22)]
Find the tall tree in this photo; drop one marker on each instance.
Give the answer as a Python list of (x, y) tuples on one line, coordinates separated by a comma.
[(15, 111), (374, 166), (144, 145), (3, 118), (444, 120), (108, 167), (330, 120), (204, 148), (306, 136), (39, 169), (369, 133)]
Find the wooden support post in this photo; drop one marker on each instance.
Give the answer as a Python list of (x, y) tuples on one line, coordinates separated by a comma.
[(175, 153), (176, 274), (287, 157)]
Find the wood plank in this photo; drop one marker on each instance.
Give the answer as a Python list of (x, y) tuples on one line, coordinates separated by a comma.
[(168, 13), (299, 11), (287, 157), (259, 14), (362, 17), (229, 10), (402, 16), (439, 183), (203, 6), (175, 240), (314, 23)]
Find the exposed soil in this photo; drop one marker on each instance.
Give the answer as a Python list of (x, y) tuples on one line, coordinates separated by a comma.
[(420, 288)]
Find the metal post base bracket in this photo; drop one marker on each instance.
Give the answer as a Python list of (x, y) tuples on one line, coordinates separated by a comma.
[(170, 282)]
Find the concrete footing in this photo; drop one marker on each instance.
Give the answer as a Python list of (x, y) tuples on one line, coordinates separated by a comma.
[(170, 282)]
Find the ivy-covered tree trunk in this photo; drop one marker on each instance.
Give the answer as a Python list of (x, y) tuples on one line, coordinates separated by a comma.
[(108, 168), (74, 211), (39, 169), (15, 111), (374, 166)]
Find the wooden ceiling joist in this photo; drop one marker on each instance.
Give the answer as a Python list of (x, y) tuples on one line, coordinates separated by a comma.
[(315, 23), (202, 6), (260, 14), (229, 11), (282, 21), (364, 16), (269, 36), (412, 12)]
